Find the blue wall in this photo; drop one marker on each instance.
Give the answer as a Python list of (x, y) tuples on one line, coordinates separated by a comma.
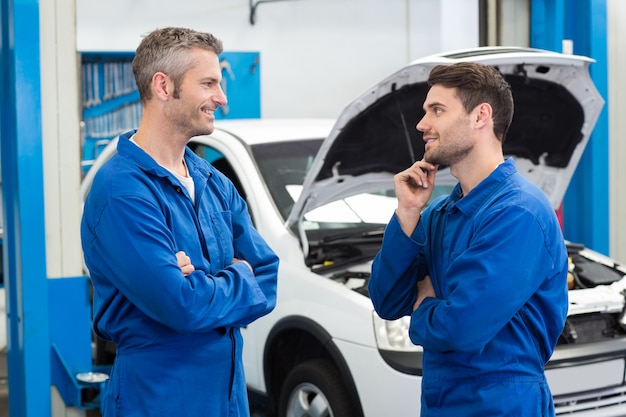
[(586, 203)]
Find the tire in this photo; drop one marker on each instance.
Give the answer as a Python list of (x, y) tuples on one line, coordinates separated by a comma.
[(314, 389)]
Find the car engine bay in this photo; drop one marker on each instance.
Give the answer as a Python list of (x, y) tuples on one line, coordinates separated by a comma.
[(597, 285)]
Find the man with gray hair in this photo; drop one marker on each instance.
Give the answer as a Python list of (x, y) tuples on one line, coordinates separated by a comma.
[(176, 264)]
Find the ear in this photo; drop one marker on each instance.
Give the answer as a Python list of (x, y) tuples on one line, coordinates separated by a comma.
[(483, 115), (162, 86)]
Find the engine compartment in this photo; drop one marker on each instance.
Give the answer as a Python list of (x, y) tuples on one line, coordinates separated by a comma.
[(597, 286)]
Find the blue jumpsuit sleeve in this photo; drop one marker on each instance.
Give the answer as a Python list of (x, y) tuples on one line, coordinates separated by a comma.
[(133, 248), (487, 284), (249, 245), (395, 271)]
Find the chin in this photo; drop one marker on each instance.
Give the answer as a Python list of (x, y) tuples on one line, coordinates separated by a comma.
[(205, 130)]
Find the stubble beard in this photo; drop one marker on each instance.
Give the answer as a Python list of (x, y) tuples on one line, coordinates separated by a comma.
[(454, 149), (448, 156), (191, 123)]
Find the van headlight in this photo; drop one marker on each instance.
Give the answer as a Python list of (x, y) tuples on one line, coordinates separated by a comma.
[(393, 334)]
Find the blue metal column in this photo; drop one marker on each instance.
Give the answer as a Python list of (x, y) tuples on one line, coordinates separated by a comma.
[(28, 353), (586, 203)]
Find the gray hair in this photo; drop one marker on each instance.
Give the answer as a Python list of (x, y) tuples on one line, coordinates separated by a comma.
[(167, 50)]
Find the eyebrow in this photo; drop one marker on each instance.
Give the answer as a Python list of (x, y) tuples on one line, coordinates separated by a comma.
[(433, 104)]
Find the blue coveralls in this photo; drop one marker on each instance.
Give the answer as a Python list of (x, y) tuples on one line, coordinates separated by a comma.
[(178, 341), (498, 264)]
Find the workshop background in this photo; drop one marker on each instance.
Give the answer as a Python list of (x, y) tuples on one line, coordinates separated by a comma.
[(314, 57), (307, 47)]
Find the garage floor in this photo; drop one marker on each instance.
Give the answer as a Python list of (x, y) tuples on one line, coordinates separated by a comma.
[(4, 390), (4, 393)]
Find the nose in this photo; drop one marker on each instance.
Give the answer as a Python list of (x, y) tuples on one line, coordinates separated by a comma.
[(421, 125), (220, 97)]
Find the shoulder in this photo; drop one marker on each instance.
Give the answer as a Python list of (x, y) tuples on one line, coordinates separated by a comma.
[(525, 194), (522, 208), (510, 187), (121, 180)]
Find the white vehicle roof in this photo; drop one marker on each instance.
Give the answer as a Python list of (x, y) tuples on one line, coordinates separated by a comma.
[(256, 131)]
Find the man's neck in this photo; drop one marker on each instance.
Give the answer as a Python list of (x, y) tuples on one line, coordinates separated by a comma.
[(167, 153)]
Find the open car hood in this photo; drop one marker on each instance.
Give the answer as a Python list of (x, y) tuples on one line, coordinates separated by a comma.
[(556, 108)]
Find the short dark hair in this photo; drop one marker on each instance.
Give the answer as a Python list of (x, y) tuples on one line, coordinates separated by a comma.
[(167, 50), (475, 84)]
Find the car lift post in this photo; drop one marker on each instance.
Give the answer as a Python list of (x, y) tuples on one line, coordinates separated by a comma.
[(47, 294)]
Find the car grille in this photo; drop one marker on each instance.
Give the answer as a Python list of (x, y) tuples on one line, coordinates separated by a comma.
[(594, 400)]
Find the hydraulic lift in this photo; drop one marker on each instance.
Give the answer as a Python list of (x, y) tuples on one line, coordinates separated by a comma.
[(49, 354)]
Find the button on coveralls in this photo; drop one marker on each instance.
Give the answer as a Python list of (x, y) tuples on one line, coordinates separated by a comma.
[(178, 340), (498, 264)]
